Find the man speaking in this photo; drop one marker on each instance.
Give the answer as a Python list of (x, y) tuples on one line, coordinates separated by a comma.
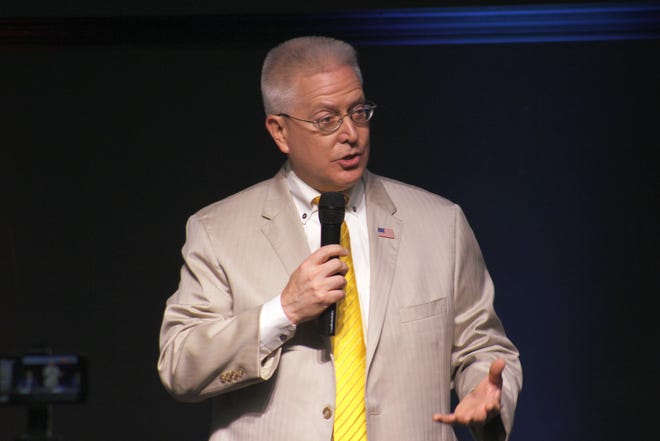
[(411, 297)]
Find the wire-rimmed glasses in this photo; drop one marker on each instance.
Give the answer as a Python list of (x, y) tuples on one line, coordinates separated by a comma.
[(360, 114)]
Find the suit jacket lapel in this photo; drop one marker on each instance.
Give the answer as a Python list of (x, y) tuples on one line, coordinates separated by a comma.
[(283, 229), (383, 254), (285, 233)]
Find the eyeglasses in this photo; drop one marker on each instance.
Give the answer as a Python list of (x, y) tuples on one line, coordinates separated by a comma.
[(360, 114)]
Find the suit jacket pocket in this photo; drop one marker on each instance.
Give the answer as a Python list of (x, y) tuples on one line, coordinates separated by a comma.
[(424, 310)]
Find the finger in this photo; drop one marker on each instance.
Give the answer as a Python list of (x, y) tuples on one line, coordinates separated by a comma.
[(328, 252), (335, 285), (492, 407), (336, 266), (447, 418), (495, 372)]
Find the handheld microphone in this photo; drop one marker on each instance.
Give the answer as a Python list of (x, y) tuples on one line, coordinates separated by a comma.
[(331, 214)]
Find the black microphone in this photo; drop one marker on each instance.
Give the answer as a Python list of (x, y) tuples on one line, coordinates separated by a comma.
[(331, 214)]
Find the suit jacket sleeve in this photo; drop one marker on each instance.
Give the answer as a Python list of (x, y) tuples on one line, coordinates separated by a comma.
[(479, 335), (207, 346)]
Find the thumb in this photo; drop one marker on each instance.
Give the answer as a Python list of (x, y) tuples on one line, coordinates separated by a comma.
[(495, 372)]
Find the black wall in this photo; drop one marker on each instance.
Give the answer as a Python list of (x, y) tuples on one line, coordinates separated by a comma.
[(548, 147)]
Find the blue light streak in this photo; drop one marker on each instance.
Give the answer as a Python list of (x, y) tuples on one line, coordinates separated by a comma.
[(497, 24)]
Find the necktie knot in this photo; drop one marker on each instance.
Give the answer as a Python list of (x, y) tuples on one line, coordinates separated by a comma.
[(317, 199)]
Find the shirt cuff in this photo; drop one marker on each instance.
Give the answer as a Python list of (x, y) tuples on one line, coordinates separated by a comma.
[(274, 327)]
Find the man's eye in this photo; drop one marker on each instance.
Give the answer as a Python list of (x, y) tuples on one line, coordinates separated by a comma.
[(327, 119)]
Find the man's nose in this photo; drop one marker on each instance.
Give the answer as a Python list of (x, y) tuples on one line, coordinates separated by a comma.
[(348, 131)]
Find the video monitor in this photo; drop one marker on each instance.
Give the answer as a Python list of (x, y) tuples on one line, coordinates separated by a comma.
[(42, 379)]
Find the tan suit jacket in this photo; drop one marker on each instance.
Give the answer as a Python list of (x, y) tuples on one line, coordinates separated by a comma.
[(431, 320)]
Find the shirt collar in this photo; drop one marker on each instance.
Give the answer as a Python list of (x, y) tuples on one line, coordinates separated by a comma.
[(303, 195)]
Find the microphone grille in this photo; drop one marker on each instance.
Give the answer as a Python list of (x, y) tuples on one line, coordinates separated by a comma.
[(331, 208)]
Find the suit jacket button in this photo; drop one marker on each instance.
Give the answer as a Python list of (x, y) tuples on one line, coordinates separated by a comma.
[(327, 413)]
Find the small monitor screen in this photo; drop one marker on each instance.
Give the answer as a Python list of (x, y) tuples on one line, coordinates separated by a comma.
[(40, 378)]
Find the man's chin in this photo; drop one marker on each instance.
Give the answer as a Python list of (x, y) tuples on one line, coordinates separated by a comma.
[(348, 179)]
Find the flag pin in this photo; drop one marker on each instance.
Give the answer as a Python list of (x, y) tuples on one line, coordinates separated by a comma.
[(387, 233)]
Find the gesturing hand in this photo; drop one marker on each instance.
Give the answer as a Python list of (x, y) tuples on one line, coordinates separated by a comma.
[(481, 404), (317, 283)]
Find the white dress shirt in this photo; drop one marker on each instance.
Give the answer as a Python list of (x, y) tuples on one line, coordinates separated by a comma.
[(274, 327)]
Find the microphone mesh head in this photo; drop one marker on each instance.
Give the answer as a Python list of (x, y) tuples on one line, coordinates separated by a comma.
[(331, 208)]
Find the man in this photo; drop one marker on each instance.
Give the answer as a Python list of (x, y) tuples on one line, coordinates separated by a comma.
[(242, 327)]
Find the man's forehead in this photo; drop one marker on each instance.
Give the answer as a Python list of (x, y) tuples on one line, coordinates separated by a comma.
[(338, 87)]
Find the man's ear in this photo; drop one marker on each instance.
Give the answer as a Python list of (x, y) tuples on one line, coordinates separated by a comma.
[(277, 130)]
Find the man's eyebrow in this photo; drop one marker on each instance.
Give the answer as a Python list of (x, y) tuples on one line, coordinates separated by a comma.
[(332, 107)]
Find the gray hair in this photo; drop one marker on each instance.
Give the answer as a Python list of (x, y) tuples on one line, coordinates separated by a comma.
[(302, 55)]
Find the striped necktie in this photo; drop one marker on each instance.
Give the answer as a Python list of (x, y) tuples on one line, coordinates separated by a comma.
[(350, 359)]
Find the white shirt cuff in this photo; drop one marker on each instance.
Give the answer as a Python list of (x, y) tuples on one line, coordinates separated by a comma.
[(274, 327)]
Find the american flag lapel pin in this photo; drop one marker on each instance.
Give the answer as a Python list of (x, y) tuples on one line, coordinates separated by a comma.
[(387, 233)]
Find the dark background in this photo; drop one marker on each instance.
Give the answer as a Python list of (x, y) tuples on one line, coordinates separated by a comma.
[(548, 147), (85, 8)]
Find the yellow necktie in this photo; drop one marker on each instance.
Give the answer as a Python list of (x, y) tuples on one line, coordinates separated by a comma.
[(350, 359)]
